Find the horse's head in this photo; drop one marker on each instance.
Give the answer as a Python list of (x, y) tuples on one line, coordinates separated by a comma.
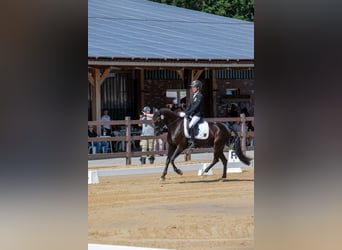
[(159, 121), (164, 117)]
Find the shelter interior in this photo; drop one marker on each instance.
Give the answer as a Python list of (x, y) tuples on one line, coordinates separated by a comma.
[(124, 91)]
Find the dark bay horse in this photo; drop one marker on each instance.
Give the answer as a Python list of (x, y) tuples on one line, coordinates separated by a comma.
[(219, 136)]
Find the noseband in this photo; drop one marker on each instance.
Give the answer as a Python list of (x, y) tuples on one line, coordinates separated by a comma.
[(159, 127)]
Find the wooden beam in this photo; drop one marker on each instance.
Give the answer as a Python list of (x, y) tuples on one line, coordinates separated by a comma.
[(93, 102), (142, 88), (195, 74), (96, 79), (97, 95), (116, 68), (91, 79), (104, 75), (181, 73), (214, 88)]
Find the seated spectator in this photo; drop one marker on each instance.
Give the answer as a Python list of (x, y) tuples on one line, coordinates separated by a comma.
[(236, 126), (96, 144)]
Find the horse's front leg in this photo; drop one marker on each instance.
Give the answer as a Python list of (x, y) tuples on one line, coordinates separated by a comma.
[(177, 152), (162, 177), (169, 154)]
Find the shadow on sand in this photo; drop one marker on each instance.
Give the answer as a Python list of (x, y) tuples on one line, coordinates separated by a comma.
[(207, 181)]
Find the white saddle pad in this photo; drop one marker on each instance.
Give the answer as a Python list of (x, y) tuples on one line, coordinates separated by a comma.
[(203, 130)]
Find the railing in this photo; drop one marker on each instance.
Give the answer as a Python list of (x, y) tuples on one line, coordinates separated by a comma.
[(128, 138)]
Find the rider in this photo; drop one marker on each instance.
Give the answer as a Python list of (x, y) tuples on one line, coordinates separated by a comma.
[(194, 109)]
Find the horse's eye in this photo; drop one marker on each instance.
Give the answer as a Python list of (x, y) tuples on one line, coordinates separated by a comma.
[(162, 117)]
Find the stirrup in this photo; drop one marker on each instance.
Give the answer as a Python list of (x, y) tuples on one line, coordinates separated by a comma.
[(191, 144)]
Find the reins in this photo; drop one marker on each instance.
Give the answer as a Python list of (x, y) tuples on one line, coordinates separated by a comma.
[(176, 120)]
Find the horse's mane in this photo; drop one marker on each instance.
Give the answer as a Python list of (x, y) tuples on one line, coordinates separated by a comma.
[(169, 113)]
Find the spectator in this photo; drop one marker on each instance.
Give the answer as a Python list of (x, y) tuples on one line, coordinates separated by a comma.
[(236, 126), (158, 145), (106, 129), (147, 130), (96, 144), (250, 139), (233, 111), (245, 111)]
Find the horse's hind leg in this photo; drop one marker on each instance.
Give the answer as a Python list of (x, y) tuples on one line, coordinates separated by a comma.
[(224, 162), (215, 160), (218, 154)]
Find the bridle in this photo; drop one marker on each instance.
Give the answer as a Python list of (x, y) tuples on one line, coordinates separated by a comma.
[(158, 122)]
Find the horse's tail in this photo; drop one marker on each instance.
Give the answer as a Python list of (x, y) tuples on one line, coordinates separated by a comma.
[(238, 150), (232, 138), (235, 139)]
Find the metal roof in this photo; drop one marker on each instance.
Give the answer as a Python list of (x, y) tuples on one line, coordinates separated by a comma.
[(145, 29)]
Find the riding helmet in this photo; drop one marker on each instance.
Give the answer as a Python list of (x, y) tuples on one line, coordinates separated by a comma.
[(146, 108), (196, 83)]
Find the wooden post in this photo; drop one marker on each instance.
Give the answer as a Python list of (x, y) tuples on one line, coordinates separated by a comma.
[(91, 79), (128, 140), (98, 79), (214, 95), (142, 88), (243, 132), (97, 99)]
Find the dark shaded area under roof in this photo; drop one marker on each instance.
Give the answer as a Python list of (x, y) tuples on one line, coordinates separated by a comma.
[(145, 29)]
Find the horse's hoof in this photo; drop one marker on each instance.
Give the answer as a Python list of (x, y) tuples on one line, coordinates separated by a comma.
[(162, 178), (180, 172)]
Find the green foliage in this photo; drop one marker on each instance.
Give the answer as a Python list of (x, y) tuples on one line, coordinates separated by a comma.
[(241, 9)]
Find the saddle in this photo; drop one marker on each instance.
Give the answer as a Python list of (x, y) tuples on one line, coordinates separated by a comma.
[(201, 129)]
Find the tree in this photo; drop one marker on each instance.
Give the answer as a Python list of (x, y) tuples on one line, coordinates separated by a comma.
[(241, 9)]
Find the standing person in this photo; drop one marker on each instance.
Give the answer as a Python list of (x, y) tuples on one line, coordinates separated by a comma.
[(158, 145), (148, 130), (106, 129), (194, 109)]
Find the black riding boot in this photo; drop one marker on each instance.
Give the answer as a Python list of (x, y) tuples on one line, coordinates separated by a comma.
[(192, 138), (143, 160)]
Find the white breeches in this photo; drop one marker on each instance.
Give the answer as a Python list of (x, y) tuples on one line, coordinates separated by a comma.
[(193, 121)]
